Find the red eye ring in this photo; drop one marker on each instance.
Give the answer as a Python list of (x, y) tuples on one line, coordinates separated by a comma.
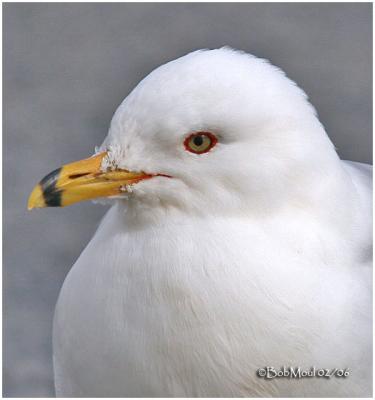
[(206, 142)]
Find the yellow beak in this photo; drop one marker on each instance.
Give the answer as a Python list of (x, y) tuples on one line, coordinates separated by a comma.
[(79, 181)]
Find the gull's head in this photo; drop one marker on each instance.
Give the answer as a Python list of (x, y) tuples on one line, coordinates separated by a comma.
[(215, 131)]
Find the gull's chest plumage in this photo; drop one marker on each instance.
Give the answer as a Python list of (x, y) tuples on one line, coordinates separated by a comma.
[(194, 308)]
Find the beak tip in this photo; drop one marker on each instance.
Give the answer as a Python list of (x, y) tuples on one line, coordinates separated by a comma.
[(36, 199)]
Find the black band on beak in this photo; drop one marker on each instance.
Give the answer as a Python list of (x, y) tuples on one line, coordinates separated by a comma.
[(51, 194)]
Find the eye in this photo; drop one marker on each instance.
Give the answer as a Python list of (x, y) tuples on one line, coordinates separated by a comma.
[(200, 142)]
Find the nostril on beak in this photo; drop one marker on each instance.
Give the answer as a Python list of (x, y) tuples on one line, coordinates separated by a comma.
[(75, 176)]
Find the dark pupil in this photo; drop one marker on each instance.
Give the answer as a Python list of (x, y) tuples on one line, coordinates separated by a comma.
[(198, 140)]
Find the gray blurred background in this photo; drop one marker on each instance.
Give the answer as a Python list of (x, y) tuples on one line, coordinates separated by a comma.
[(67, 67)]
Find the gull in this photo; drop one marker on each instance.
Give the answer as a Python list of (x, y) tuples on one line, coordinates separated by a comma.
[(237, 242)]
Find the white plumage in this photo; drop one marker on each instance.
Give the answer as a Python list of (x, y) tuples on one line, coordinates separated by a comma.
[(257, 253)]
